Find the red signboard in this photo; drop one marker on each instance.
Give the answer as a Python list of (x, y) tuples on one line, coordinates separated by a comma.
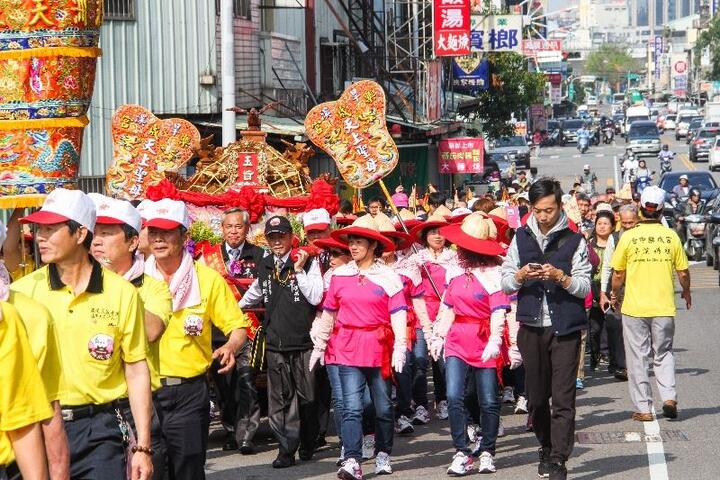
[(534, 46), (461, 155), (451, 27), (554, 78), (247, 169)]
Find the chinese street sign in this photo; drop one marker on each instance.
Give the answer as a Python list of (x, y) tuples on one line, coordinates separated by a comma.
[(658, 54), (471, 74), (531, 47), (353, 131), (496, 33), (451, 28), (247, 169), (461, 155), (144, 147)]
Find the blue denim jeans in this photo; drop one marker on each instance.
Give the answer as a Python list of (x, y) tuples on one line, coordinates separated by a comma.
[(353, 381), (420, 367), (368, 422), (404, 382), (487, 392)]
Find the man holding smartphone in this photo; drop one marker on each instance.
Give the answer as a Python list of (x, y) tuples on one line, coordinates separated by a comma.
[(547, 264)]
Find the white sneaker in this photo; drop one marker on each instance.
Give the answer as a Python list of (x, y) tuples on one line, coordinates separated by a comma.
[(442, 410), (473, 432), (368, 448), (382, 464), (403, 425), (341, 459), (350, 470), (487, 465), (461, 464), (421, 417), (501, 429), (476, 446), (508, 396), (521, 405)]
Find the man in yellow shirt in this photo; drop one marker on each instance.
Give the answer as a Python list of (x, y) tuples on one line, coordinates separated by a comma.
[(23, 401), (650, 251), (115, 243), (98, 316), (201, 299)]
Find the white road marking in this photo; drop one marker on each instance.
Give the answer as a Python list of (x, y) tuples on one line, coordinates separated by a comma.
[(554, 156), (655, 451), (599, 155), (577, 156)]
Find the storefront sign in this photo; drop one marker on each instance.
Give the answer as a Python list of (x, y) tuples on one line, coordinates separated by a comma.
[(461, 155), (496, 33), (471, 74), (532, 47), (451, 27)]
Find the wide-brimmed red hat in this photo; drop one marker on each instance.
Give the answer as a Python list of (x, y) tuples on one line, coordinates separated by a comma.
[(387, 228), (364, 227), (330, 243), (407, 218), (345, 220), (436, 220), (476, 233)]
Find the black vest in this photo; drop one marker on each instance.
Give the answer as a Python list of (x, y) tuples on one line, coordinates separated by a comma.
[(567, 312), (288, 314)]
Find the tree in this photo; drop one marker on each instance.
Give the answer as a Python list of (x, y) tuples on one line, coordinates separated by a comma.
[(612, 62), (710, 38), (512, 90)]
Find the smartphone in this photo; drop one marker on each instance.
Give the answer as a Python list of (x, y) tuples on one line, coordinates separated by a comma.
[(535, 266)]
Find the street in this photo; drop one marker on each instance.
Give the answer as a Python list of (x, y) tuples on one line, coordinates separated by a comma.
[(609, 444)]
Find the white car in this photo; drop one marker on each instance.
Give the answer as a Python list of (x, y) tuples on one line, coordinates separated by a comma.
[(714, 157), (670, 122)]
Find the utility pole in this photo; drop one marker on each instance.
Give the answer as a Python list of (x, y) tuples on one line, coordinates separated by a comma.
[(227, 71)]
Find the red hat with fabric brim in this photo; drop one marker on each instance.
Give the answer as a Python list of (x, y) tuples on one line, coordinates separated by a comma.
[(330, 243), (345, 220), (477, 234), (436, 220), (405, 239), (364, 227)]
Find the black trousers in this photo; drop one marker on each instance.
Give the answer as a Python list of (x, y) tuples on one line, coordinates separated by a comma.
[(616, 344), (324, 401), (185, 414), (551, 364), (292, 407), (96, 447), (156, 438), (238, 396)]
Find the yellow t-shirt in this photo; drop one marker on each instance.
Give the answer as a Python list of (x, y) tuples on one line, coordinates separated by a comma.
[(156, 299), (649, 254), (23, 400), (186, 345), (99, 331), (40, 328)]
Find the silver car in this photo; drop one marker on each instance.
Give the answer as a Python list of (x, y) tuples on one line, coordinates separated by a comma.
[(515, 147)]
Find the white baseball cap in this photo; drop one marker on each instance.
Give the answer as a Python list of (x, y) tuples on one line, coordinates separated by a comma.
[(144, 206), (682, 177), (586, 166), (167, 214), (316, 219), (111, 211), (62, 205), (652, 198)]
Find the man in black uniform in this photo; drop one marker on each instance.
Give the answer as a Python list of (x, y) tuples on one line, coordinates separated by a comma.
[(290, 289)]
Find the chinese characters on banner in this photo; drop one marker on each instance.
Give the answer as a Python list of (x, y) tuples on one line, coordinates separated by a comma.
[(451, 27), (144, 147), (531, 47), (496, 33), (247, 169), (658, 54), (461, 155), (471, 74)]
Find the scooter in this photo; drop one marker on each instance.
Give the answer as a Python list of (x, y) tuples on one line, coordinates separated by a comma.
[(608, 134), (695, 236), (643, 181), (665, 162), (583, 144)]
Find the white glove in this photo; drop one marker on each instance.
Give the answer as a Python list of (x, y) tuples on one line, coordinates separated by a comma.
[(492, 349), (398, 357), (515, 357), (435, 345), (315, 357)]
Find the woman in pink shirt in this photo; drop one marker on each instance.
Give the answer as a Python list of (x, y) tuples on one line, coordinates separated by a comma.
[(437, 257), (469, 329), (363, 331)]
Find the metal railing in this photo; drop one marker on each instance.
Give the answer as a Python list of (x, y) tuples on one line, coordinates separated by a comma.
[(119, 9), (92, 184)]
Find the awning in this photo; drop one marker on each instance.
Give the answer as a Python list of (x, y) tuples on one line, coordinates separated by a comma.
[(274, 125)]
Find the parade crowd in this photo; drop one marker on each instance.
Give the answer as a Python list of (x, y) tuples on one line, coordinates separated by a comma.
[(114, 349)]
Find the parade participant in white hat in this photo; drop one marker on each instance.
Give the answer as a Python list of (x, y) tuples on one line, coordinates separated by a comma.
[(200, 299), (114, 245), (103, 353), (363, 332)]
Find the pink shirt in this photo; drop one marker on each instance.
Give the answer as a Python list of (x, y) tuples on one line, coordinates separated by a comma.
[(359, 303), (411, 291), (466, 296), (437, 273)]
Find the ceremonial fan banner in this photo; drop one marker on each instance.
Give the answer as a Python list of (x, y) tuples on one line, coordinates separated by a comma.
[(144, 147), (353, 131), (48, 52)]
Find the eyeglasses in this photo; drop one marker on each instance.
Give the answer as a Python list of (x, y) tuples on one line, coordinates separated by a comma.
[(337, 253)]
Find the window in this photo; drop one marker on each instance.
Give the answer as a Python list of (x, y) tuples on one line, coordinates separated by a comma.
[(241, 8), (119, 9)]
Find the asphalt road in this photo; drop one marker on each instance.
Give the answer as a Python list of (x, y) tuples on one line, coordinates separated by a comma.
[(609, 444)]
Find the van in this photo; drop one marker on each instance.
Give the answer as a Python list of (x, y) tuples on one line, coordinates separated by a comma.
[(634, 114)]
